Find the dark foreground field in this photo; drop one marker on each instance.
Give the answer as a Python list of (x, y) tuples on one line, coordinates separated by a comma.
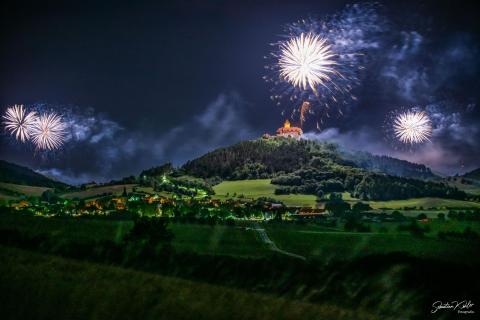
[(35, 286), (83, 268)]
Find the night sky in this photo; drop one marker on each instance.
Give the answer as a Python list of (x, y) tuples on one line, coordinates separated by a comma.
[(149, 82)]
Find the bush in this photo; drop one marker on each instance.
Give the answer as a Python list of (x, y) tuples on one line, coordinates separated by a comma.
[(421, 216), (467, 234), (414, 228)]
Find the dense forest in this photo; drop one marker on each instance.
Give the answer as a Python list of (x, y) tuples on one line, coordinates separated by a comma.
[(311, 167)]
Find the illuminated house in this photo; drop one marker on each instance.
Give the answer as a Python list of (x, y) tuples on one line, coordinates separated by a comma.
[(288, 131), (22, 204)]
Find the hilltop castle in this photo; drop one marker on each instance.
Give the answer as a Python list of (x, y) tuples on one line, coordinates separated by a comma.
[(287, 131)]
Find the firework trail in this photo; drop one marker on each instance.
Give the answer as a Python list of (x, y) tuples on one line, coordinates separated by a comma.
[(303, 110), (18, 122), (48, 132), (319, 61)]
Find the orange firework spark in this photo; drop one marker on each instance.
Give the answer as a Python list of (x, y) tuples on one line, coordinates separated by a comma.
[(303, 110)]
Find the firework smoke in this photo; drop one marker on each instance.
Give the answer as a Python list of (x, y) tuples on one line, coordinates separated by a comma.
[(18, 123)]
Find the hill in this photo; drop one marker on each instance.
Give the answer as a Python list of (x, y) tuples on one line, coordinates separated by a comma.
[(473, 175), (311, 167), (390, 166), (13, 173)]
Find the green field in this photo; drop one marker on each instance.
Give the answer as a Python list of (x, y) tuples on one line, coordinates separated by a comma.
[(253, 189), (7, 197), (468, 188), (26, 190), (218, 240), (51, 287), (311, 241), (72, 229), (332, 245), (201, 239), (427, 204), (97, 191)]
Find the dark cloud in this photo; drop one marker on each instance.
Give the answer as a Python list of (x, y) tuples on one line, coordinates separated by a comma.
[(110, 151)]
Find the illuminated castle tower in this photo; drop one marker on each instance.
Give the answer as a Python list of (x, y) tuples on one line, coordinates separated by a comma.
[(289, 131)]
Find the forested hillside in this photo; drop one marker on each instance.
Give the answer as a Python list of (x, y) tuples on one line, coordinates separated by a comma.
[(473, 175), (391, 166), (315, 168), (13, 173)]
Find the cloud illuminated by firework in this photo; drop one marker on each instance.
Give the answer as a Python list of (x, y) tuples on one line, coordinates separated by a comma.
[(412, 127), (48, 131), (307, 61), (18, 122)]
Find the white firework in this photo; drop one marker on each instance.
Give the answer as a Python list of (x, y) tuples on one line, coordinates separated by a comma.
[(18, 122), (48, 131), (412, 127), (307, 61)]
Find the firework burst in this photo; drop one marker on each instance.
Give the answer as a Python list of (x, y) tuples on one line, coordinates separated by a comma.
[(48, 131), (307, 62), (320, 61), (18, 122), (412, 127)]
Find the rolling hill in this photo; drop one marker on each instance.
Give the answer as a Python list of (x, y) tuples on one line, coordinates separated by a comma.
[(391, 166), (473, 175), (15, 174), (310, 167)]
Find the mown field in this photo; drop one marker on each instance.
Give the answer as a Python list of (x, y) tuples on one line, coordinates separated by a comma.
[(26, 190), (253, 189), (97, 191), (36, 286)]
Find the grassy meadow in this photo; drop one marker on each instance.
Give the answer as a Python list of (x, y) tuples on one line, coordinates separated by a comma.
[(253, 189)]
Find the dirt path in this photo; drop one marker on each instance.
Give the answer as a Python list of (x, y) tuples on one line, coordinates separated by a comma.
[(266, 239)]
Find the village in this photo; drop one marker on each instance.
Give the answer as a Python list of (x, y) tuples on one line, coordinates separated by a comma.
[(141, 204)]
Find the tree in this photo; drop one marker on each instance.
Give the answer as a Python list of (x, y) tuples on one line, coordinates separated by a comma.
[(147, 235), (336, 205), (361, 207), (398, 216), (50, 196), (422, 216)]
